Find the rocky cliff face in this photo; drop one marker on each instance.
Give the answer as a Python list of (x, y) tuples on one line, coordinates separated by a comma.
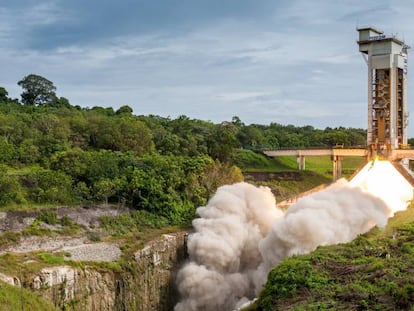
[(76, 288), (153, 287), (147, 285)]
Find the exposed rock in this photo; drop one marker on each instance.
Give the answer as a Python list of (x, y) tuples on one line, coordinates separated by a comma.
[(148, 285), (53, 276), (77, 247), (40, 243), (12, 280), (158, 263), (145, 282), (83, 289), (87, 216)]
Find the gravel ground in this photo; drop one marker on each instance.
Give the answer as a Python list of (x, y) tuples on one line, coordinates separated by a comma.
[(93, 252), (80, 248), (76, 247)]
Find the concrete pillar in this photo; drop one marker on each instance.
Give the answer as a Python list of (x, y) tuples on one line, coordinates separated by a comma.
[(337, 167), (300, 162)]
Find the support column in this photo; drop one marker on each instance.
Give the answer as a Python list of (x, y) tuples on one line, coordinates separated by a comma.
[(300, 162), (337, 167)]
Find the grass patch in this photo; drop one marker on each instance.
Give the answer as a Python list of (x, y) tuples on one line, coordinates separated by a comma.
[(47, 223), (17, 298), (51, 259), (8, 238), (135, 229), (250, 161), (36, 228), (318, 172), (373, 272), (125, 224)]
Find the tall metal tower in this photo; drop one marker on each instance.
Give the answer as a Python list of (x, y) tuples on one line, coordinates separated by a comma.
[(386, 57)]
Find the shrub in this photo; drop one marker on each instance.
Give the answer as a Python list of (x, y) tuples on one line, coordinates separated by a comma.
[(49, 218), (288, 279), (46, 186), (10, 189)]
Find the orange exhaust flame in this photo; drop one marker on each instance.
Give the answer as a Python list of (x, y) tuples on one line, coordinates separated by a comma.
[(381, 179)]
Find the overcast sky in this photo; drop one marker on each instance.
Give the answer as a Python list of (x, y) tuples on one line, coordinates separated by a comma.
[(285, 61)]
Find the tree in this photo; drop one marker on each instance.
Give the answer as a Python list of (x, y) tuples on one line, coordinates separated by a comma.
[(237, 122), (61, 102), (218, 174), (7, 151), (250, 137), (37, 90), (104, 188), (222, 141), (46, 186), (10, 189), (124, 110), (135, 136), (104, 131), (3, 95)]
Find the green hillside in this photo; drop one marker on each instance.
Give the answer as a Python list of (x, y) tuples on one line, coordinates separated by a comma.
[(281, 175), (250, 161), (17, 298), (374, 272)]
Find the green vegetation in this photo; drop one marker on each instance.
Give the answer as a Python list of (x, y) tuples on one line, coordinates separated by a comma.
[(128, 223), (51, 259), (8, 238), (250, 161), (53, 153), (17, 298), (281, 176), (374, 272)]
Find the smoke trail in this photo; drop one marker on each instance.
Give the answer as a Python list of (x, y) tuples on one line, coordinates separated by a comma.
[(241, 234)]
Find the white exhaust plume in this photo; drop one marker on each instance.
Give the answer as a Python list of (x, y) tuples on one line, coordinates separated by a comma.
[(241, 235), (224, 251), (337, 214), (381, 179)]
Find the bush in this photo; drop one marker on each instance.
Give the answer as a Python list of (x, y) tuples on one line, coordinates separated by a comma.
[(49, 218), (137, 220), (46, 186), (10, 189), (288, 279)]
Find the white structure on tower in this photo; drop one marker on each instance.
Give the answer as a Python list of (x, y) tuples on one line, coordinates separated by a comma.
[(386, 57)]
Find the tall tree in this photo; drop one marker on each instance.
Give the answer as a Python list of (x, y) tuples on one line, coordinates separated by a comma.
[(37, 90), (3, 95)]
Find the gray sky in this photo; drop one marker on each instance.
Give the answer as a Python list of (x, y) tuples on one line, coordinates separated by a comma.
[(285, 61)]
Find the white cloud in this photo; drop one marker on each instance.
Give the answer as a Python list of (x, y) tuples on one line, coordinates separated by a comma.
[(298, 65), (43, 13)]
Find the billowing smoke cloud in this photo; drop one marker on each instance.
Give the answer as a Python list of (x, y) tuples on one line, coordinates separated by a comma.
[(337, 214), (241, 235), (224, 249)]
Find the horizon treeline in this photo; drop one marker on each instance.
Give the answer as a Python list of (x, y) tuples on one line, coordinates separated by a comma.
[(53, 152)]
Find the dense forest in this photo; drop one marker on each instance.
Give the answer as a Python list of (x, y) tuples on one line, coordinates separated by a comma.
[(52, 152)]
